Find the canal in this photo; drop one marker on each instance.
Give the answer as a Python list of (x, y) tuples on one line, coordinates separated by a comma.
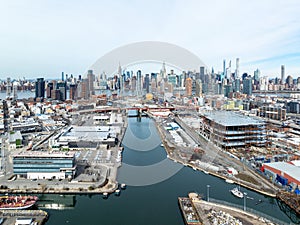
[(154, 200)]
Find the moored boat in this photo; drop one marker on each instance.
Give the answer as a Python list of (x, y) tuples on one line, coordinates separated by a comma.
[(236, 192), (117, 192), (105, 195), (17, 202), (229, 181)]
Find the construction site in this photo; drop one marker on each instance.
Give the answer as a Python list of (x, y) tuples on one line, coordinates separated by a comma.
[(229, 130)]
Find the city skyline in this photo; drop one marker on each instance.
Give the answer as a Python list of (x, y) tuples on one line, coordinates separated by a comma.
[(46, 38)]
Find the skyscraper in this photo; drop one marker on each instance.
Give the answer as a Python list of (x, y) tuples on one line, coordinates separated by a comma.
[(91, 79), (73, 91), (247, 86), (121, 78), (237, 68), (49, 90), (147, 83), (282, 74), (40, 88), (198, 88), (8, 88), (62, 87), (188, 86), (139, 83)]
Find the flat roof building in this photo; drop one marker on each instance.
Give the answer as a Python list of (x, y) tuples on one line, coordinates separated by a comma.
[(283, 172), (39, 165)]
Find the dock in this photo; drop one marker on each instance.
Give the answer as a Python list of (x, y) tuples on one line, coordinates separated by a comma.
[(188, 211), (37, 217), (218, 212)]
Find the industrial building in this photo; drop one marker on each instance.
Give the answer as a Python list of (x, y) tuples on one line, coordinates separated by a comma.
[(39, 165), (86, 137), (228, 129), (282, 172)]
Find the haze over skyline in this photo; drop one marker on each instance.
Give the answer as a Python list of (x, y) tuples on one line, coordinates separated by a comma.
[(44, 38)]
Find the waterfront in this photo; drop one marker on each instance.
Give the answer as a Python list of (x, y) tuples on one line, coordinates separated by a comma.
[(157, 203)]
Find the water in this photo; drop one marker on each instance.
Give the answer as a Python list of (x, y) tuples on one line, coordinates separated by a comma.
[(152, 204), (21, 94)]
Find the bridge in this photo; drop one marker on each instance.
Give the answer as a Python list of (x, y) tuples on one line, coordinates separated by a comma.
[(119, 109)]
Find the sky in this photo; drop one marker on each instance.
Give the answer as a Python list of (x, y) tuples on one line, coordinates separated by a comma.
[(42, 38)]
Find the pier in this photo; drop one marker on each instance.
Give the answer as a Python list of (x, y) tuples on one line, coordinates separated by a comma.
[(218, 212), (38, 217)]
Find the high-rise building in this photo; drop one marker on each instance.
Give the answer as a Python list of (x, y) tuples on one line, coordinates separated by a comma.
[(237, 68), (139, 83), (289, 81), (198, 92), (202, 73), (147, 83), (15, 91), (40, 88), (227, 90), (49, 89), (256, 76), (91, 79), (282, 74), (73, 91), (247, 86), (8, 88), (62, 87), (188, 86)]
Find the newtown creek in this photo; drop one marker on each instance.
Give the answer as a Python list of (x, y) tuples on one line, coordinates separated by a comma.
[(153, 185)]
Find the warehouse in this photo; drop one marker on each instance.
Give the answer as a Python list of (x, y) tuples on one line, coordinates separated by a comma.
[(282, 172)]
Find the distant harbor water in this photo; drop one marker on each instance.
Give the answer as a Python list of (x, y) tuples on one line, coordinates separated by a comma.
[(21, 94), (153, 204)]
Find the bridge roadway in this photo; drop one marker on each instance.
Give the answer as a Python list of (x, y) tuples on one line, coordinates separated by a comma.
[(109, 109)]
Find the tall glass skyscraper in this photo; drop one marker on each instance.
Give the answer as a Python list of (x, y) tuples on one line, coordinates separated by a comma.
[(40, 88)]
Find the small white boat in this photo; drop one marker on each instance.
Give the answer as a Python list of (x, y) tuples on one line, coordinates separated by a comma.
[(162, 145), (237, 193), (229, 181), (117, 192), (194, 168), (123, 186), (206, 172), (105, 195)]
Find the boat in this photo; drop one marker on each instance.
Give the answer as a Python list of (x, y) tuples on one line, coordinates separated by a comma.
[(162, 145), (237, 193), (229, 181), (105, 195), (117, 192), (206, 172), (123, 186), (17, 202)]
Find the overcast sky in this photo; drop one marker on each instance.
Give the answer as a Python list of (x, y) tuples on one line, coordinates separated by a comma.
[(44, 38)]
